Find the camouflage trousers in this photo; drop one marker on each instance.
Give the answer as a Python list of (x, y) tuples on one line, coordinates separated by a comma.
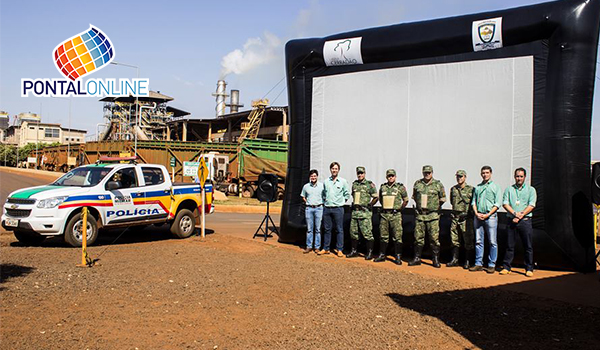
[(362, 225), (462, 227), (432, 227), (390, 222)]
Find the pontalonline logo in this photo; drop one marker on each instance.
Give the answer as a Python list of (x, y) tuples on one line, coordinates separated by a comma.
[(80, 55)]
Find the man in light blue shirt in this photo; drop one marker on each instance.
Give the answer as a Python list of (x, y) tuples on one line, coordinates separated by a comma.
[(313, 194), (519, 202), (337, 192), (487, 199)]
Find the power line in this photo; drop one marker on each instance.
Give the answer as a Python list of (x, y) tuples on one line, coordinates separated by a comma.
[(268, 92), (279, 94), (291, 70)]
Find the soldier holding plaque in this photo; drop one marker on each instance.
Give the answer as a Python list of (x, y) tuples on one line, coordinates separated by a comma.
[(429, 195), (393, 198)]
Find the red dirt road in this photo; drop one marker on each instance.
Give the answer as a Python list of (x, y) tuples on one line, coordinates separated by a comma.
[(230, 292)]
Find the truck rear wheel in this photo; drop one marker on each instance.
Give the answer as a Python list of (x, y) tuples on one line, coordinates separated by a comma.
[(184, 224), (247, 191), (74, 234), (29, 238)]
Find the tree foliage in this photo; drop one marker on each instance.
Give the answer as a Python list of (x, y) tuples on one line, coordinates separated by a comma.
[(9, 153)]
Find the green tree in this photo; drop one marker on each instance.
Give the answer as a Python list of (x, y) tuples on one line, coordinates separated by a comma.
[(8, 155)]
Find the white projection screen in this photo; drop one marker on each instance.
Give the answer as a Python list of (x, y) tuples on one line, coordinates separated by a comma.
[(452, 116)]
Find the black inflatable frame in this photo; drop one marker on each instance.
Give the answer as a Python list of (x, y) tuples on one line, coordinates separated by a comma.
[(562, 36)]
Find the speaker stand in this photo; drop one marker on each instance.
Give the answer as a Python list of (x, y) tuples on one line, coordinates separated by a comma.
[(265, 232)]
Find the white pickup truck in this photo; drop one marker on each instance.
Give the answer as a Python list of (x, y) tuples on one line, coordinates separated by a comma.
[(117, 195)]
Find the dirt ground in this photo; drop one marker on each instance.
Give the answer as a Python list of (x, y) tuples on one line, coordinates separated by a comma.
[(227, 291), (233, 293)]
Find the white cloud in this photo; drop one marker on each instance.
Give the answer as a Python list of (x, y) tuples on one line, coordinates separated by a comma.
[(256, 52), (310, 21)]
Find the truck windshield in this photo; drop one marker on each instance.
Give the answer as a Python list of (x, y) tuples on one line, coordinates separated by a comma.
[(83, 177)]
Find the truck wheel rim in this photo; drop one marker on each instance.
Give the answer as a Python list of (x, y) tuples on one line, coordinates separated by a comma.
[(78, 232), (186, 224)]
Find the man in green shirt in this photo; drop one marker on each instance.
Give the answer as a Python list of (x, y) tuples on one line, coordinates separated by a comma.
[(461, 226), (429, 195), (487, 199), (519, 201), (336, 195), (364, 194), (393, 198)]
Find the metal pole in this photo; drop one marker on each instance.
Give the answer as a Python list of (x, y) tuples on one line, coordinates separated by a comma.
[(203, 213), (37, 137), (136, 115), (84, 236), (69, 141)]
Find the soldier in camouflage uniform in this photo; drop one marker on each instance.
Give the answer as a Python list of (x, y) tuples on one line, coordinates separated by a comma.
[(461, 195), (429, 196), (364, 194), (393, 198)]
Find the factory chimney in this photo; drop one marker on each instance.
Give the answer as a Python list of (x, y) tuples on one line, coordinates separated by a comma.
[(220, 95), (234, 102)]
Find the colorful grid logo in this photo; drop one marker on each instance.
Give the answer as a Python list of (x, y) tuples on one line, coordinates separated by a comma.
[(84, 53)]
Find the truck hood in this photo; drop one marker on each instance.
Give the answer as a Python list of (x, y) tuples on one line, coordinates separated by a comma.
[(48, 191)]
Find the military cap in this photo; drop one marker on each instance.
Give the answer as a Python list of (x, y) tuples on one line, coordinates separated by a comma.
[(390, 172), (427, 169), (461, 173), (360, 169)]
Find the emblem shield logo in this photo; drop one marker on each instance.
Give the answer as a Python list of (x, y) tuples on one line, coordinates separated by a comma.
[(486, 32)]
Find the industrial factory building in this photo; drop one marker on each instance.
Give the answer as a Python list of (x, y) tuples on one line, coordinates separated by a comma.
[(28, 128), (158, 121), (231, 127), (122, 123)]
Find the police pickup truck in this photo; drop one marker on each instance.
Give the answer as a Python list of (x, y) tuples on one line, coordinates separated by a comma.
[(117, 195)]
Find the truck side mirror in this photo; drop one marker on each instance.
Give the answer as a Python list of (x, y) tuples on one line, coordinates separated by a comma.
[(113, 185)]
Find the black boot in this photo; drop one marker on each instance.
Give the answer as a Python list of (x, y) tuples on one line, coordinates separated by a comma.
[(436, 256), (382, 251), (417, 259), (354, 252), (369, 255), (454, 261), (468, 254), (398, 260)]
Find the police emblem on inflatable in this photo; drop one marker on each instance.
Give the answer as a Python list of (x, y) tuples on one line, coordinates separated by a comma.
[(487, 34)]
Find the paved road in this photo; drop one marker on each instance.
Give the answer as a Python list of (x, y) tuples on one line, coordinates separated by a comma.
[(11, 180)]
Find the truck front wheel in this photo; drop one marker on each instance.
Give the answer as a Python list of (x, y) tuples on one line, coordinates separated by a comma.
[(74, 230), (184, 224), (29, 238)]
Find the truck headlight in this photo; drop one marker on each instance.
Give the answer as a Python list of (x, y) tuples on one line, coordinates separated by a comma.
[(51, 202)]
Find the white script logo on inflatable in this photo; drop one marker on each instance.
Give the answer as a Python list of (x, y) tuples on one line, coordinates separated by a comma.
[(487, 34), (342, 52)]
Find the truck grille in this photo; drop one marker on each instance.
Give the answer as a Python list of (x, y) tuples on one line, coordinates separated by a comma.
[(18, 213), (21, 201)]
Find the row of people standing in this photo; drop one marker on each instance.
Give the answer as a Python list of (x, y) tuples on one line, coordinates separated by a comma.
[(474, 218)]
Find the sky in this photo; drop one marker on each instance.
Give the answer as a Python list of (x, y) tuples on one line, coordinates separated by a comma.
[(184, 47)]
